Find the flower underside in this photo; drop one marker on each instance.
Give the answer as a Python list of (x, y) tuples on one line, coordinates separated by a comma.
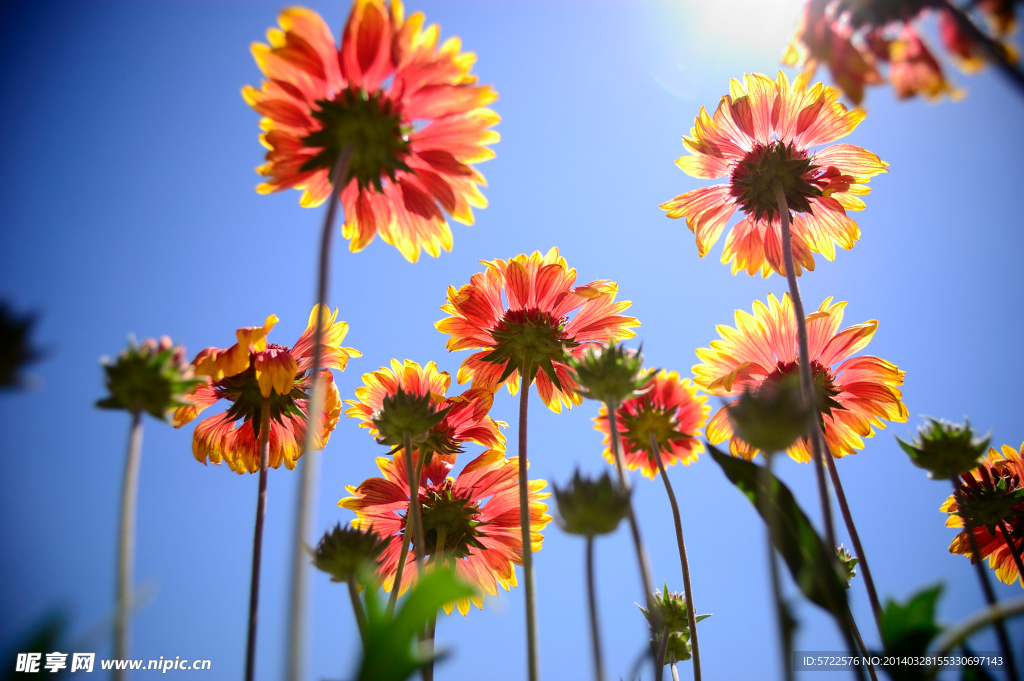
[(992, 500), (243, 391), (372, 126), (650, 420), (754, 179), (453, 518), (825, 390), (528, 339)]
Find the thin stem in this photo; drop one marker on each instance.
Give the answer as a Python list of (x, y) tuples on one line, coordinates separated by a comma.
[(126, 543), (956, 635), (533, 668), (995, 51), (638, 543), (851, 528), (595, 634), (691, 614), (806, 380), (442, 536), (663, 648), (357, 608), (257, 542), (413, 475), (986, 586), (306, 500), (771, 520), (1014, 549), (675, 672), (865, 653), (399, 572)]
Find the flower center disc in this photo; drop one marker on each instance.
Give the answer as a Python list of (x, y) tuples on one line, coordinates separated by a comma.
[(371, 125), (755, 177)]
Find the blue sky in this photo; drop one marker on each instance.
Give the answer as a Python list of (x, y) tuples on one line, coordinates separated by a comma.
[(127, 206)]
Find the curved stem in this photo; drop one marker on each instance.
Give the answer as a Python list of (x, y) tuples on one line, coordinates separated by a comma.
[(126, 543), (851, 528), (956, 635), (308, 464), (986, 585), (771, 520), (533, 668), (357, 608), (257, 543), (995, 51), (806, 380), (691, 614), (638, 543), (595, 633), (1014, 549)]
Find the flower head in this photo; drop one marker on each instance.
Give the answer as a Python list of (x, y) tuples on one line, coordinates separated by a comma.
[(853, 395), (473, 517), (591, 507), (993, 496), (253, 372), (531, 325), (153, 377), (347, 553), (762, 136), (672, 411), (847, 563), (409, 110), (945, 449), (463, 417), (773, 417), (611, 373)]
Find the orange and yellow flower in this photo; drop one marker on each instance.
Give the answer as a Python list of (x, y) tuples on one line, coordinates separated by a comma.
[(466, 422), (672, 410), (474, 517), (410, 111), (1008, 464), (531, 323), (761, 136), (853, 395), (253, 373)]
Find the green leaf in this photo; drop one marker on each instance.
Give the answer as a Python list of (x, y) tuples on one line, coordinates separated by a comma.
[(908, 629), (811, 562), (389, 653)]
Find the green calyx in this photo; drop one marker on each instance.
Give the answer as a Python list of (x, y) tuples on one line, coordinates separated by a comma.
[(348, 554), (847, 564), (765, 166), (675, 621), (150, 377), (611, 373), (406, 414), (455, 517), (773, 417), (247, 401), (945, 449), (992, 500), (591, 507), (527, 340), (371, 126), (648, 420)]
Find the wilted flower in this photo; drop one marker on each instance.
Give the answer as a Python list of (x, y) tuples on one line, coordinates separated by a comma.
[(153, 377), (348, 554), (945, 449), (847, 563), (773, 417), (611, 373), (591, 507)]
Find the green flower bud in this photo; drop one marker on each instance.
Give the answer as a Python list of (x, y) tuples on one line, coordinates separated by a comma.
[(153, 377), (772, 418), (611, 373), (405, 413), (678, 647), (847, 564), (675, 620), (990, 500), (15, 347), (945, 449), (591, 507), (347, 554)]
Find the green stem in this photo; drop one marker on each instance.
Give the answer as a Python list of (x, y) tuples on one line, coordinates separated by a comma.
[(638, 543), (413, 475), (533, 668), (257, 543), (399, 572), (956, 635), (691, 614), (126, 543), (663, 648), (865, 653), (442, 536), (595, 634), (806, 380), (675, 672), (357, 608), (308, 464)]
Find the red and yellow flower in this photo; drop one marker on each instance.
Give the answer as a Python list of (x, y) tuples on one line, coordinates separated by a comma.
[(762, 136), (466, 422), (534, 325), (1008, 464), (410, 111), (473, 518), (853, 395), (672, 410), (253, 373)]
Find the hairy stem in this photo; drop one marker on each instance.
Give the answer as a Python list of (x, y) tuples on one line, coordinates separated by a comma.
[(691, 614), (257, 542), (533, 668), (126, 542), (595, 633), (308, 464)]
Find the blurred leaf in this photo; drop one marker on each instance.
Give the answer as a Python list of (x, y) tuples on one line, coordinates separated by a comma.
[(973, 672), (810, 561), (390, 653), (908, 629), (42, 637)]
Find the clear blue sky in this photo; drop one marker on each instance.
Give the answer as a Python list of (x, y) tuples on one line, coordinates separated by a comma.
[(127, 206)]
